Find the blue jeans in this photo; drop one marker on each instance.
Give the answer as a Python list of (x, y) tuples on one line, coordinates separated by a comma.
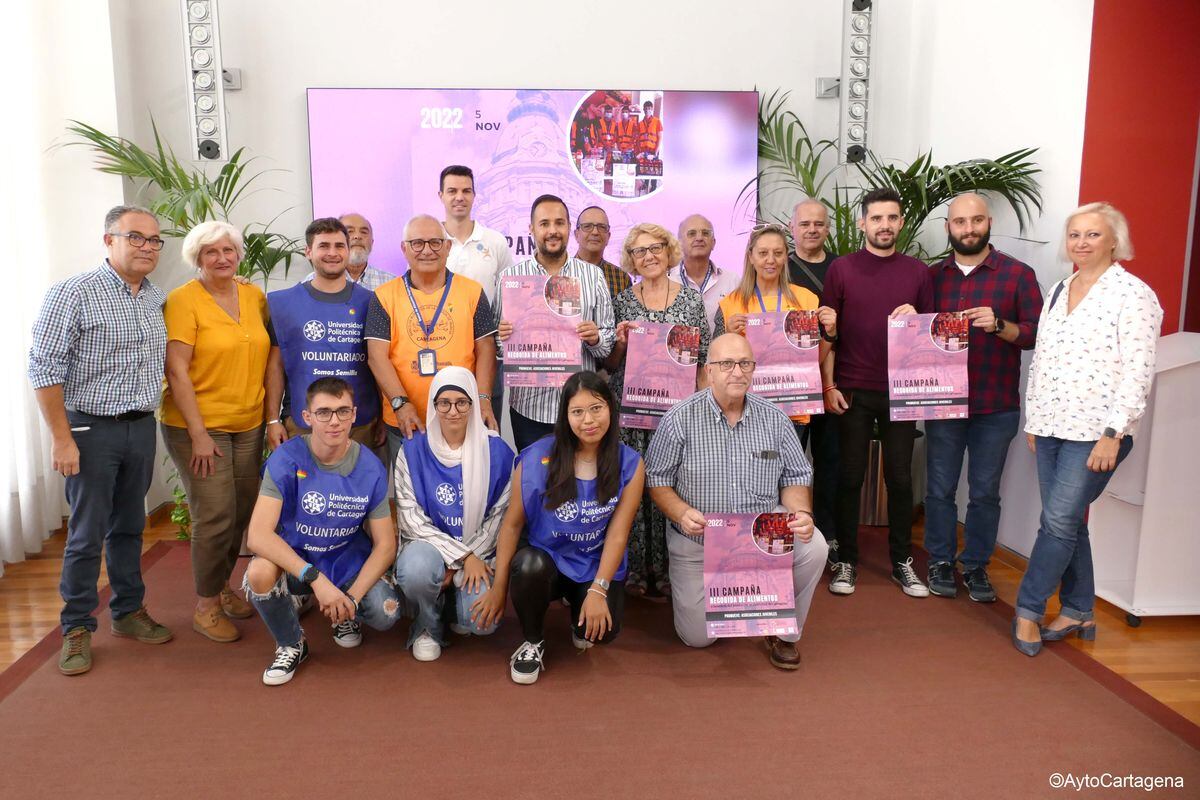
[(108, 512), (420, 570), (378, 609), (985, 438), (1063, 552)]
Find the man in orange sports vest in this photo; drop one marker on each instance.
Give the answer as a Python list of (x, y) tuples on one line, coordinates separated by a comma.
[(604, 130), (650, 130), (425, 320), (627, 130)]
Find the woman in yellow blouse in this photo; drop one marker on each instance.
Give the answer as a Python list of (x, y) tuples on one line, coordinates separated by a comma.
[(766, 287), (212, 413)]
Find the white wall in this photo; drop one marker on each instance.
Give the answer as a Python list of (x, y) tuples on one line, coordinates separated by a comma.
[(968, 78)]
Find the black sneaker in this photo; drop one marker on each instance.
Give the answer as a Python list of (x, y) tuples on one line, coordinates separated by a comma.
[(832, 558), (526, 663), (348, 633), (941, 579), (844, 577), (978, 586), (287, 659), (905, 576)]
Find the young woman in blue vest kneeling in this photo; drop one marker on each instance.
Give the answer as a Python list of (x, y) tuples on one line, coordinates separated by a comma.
[(452, 489), (322, 527), (578, 492)]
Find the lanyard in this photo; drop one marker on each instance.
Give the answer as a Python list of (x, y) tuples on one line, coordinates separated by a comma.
[(684, 279), (778, 300), (428, 329)]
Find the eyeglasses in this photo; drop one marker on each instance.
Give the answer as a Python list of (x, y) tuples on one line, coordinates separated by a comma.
[(417, 245), (699, 232), (745, 365), (325, 414), (462, 405), (769, 227), (588, 227), (139, 241), (595, 410), (638, 252)]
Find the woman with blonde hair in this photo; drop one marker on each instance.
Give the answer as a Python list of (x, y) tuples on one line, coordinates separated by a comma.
[(212, 413), (1088, 384), (650, 251)]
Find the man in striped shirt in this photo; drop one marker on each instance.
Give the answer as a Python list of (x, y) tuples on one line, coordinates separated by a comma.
[(96, 364), (534, 408)]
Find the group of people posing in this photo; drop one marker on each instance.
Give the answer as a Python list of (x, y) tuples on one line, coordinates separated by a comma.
[(352, 368)]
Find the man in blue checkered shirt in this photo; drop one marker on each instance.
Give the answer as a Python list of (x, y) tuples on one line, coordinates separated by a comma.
[(96, 364)]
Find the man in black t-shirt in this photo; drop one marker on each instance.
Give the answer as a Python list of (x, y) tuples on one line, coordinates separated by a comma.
[(807, 267)]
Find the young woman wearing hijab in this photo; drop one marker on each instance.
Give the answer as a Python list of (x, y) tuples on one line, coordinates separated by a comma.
[(452, 489), (579, 490)]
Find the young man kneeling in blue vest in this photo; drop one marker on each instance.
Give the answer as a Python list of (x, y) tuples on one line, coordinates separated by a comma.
[(322, 526)]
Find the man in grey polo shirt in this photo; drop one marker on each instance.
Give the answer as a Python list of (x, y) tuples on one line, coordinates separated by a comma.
[(726, 451), (96, 365)]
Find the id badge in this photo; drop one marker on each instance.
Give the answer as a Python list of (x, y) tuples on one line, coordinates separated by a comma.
[(427, 363)]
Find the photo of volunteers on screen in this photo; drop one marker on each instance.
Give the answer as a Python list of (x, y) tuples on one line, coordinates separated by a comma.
[(616, 142)]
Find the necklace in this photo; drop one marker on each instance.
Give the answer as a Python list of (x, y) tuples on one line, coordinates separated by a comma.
[(646, 303)]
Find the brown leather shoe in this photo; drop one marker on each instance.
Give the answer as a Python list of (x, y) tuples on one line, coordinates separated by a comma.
[(234, 606), (215, 625), (784, 655)]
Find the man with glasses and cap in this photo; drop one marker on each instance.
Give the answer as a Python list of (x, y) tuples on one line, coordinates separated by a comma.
[(428, 319)]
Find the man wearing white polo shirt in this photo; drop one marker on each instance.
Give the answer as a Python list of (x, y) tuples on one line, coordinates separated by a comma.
[(477, 252)]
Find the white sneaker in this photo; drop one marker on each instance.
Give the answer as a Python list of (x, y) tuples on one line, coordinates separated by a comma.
[(348, 633), (283, 668), (426, 648), (905, 576), (580, 644)]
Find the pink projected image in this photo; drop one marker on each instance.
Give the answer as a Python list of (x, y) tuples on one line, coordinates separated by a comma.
[(521, 144), (616, 143)]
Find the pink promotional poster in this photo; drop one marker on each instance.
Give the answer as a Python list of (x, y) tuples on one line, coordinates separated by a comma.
[(643, 155), (927, 366), (748, 587), (786, 347), (544, 348), (660, 370)]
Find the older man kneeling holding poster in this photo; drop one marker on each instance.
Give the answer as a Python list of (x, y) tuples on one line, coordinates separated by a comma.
[(725, 451)]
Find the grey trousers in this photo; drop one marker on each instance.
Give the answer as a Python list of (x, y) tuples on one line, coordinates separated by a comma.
[(686, 566)]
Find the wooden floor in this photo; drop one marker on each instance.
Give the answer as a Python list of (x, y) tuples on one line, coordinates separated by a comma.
[(1162, 657)]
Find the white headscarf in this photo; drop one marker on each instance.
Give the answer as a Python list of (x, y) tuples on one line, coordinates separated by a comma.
[(474, 455)]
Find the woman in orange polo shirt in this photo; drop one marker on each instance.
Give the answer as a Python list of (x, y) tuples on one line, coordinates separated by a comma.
[(212, 413), (765, 288)]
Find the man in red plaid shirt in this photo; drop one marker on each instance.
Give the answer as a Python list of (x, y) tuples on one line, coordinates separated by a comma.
[(1001, 298)]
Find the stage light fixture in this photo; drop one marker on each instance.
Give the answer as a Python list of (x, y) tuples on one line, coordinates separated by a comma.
[(202, 51), (856, 77)]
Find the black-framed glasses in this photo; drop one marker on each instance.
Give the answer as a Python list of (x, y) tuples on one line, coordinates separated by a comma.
[(344, 413), (139, 241), (462, 405), (417, 245), (588, 227), (746, 365), (656, 249)]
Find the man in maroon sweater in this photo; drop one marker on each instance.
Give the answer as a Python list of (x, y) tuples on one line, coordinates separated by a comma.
[(867, 288)]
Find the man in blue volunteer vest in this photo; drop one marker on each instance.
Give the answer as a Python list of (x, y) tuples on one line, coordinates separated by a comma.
[(316, 332), (322, 526)]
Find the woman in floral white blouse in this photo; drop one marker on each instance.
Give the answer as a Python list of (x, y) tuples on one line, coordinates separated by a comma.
[(1088, 384)]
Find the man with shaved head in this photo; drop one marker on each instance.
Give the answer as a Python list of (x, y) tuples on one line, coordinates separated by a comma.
[(428, 319), (697, 270), (726, 451), (1000, 296)]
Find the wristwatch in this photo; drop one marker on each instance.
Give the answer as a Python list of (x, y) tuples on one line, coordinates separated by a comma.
[(309, 574), (603, 584), (999, 326), (1111, 433), (399, 402)]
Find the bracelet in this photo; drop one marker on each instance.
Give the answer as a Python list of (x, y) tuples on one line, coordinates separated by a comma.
[(353, 599), (829, 388), (485, 396), (274, 422), (803, 511), (594, 590)]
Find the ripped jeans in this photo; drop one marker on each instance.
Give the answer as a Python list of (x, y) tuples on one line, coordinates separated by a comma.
[(379, 608)]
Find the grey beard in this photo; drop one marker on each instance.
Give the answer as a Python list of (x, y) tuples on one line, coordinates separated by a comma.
[(358, 257)]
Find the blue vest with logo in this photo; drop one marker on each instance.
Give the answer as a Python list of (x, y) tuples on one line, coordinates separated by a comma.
[(438, 488), (324, 513), (573, 534), (324, 340)]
